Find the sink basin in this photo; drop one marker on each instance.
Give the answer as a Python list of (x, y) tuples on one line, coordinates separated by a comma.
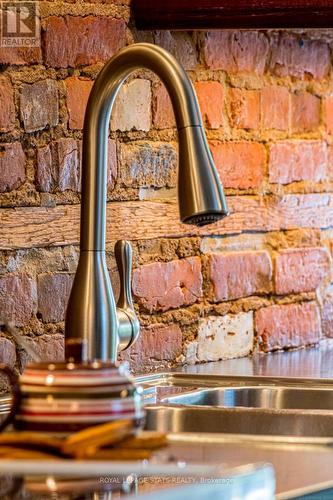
[(257, 397), (264, 422), (251, 406)]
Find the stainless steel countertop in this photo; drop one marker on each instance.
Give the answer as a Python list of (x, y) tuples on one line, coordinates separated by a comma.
[(297, 467), (315, 362)]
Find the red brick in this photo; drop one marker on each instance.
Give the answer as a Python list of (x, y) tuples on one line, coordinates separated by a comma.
[(39, 105), (286, 326), (329, 162), (180, 45), (59, 166), (78, 91), (7, 105), (275, 108), (241, 165), (211, 100), (20, 55), (17, 298), (162, 286), (236, 51), (157, 344), (328, 113), (50, 348), (68, 164), (300, 269), (299, 57), (163, 115), (244, 108), (12, 166), (305, 112), (327, 318), (292, 161), (53, 293), (75, 41), (239, 274), (7, 352)]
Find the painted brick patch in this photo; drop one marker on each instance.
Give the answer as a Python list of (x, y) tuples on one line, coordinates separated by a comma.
[(225, 337)]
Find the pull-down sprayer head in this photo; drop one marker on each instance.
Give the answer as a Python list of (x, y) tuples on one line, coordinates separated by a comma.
[(200, 194)]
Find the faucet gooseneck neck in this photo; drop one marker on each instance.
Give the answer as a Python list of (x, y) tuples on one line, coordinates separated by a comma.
[(92, 317)]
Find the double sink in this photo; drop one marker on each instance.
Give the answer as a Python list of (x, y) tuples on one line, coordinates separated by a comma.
[(271, 408)]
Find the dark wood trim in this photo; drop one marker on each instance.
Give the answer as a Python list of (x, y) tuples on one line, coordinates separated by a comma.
[(215, 14)]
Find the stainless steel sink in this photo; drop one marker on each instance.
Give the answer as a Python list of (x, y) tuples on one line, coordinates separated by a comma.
[(240, 421), (251, 406), (257, 397)]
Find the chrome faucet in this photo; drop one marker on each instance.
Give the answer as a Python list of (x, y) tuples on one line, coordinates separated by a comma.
[(95, 327)]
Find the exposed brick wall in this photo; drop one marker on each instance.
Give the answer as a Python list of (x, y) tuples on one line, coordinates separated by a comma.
[(267, 105)]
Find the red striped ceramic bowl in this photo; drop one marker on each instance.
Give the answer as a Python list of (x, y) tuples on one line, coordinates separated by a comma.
[(66, 397)]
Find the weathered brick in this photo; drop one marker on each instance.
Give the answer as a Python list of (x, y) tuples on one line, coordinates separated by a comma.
[(50, 348), (211, 100), (20, 55), (241, 165), (327, 317), (12, 166), (244, 108), (132, 108), (329, 170), (328, 113), (68, 165), (239, 274), (300, 57), (157, 344), (286, 326), (148, 164), (53, 293), (18, 298), (84, 40), (300, 269), (59, 165), (292, 161), (78, 91), (7, 105), (163, 115), (224, 337), (275, 108), (162, 286), (305, 112), (180, 45), (7, 352), (236, 51), (39, 105)]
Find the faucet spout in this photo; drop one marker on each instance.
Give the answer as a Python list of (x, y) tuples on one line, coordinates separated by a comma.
[(92, 320)]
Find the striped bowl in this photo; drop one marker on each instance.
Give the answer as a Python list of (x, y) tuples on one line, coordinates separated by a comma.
[(66, 397)]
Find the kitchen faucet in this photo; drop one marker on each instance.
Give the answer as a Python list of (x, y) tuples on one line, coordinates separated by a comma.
[(95, 328)]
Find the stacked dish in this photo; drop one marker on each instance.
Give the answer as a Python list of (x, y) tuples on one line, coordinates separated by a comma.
[(66, 397)]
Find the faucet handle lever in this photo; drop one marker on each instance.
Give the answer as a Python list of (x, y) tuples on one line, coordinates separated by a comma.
[(123, 254)]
